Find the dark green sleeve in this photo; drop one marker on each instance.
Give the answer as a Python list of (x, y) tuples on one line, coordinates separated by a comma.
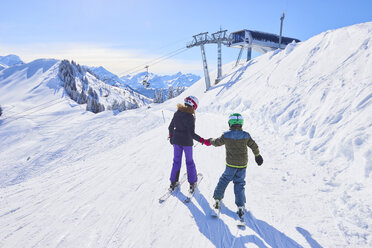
[(254, 147), (218, 142)]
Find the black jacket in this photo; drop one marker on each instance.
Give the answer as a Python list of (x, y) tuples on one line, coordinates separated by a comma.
[(182, 127)]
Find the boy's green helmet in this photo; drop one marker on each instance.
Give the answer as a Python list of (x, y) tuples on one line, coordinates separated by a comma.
[(236, 118)]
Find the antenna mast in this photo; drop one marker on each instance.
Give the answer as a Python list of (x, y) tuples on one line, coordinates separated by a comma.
[(281, 28)]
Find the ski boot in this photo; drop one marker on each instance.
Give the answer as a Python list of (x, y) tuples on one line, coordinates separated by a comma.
[(216, 208), (173, 186), (217, 204), (240, 212), (241, 222), (192, 187)]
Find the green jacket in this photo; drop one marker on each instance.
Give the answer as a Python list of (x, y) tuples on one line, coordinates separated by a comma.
[(236, 142)]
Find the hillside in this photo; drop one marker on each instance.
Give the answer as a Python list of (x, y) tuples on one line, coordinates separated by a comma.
[(85, 87), (43, 79), (71, 178)]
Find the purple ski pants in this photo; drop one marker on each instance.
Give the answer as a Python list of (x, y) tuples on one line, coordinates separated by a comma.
[(177, 161)]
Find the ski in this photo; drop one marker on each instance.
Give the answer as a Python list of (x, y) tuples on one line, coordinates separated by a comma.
[(240, 222), (170, 192), (190, 195)]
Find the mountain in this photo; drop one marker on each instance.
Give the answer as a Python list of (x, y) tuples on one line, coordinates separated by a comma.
[(71, 178), (9, 60), (164, 83), (161, 82), (106, 76), (79, 84), (157, 82), (84, 86)]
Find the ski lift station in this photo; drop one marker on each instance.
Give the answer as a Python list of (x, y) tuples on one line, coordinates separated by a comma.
[(244, 39), (259, 41)]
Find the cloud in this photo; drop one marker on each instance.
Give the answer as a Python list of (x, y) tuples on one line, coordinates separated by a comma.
[(117, 60)]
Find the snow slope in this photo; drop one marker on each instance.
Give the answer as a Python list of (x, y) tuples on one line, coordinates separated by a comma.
[(70, 178), (2, 66), (87, 88), (79, 84)]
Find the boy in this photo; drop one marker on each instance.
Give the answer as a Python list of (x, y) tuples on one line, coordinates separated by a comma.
[(236, 142)]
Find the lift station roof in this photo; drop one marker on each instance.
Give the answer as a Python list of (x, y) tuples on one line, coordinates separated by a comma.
[(259, 41)]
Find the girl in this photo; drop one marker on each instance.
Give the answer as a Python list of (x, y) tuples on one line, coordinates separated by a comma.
[(181, 134)]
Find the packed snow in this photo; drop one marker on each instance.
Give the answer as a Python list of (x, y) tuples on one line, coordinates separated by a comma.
[(71, 178)]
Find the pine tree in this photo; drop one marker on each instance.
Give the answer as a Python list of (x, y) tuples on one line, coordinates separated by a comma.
[(156, 96), (179, 90), (170, 93), (161, 97)]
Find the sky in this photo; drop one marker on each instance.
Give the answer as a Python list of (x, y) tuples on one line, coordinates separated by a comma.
[(124, 36)]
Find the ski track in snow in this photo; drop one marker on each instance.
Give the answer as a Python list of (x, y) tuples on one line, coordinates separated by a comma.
[(69, 178)]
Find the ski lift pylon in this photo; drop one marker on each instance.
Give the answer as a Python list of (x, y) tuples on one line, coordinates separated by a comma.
[(145, 81)]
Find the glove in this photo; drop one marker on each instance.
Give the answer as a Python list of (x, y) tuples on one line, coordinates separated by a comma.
[(170, 139), (204, 142), (259, 159)]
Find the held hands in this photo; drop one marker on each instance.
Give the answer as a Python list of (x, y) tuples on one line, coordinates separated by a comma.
[(259, 159), (204, 142)]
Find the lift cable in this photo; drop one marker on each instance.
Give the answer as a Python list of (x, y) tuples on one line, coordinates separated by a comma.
[(155, 61)]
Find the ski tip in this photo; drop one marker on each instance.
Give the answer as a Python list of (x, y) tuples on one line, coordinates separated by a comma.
[(240, 223)]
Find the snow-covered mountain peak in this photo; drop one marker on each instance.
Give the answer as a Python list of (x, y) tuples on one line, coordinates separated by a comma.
[(10, 60), (105, 75)]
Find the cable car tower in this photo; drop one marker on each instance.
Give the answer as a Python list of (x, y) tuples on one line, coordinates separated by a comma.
[(219, 38), (249, 40), (202, 39)]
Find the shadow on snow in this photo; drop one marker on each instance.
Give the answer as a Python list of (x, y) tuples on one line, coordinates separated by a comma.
[(220, 234), (236, 75)]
